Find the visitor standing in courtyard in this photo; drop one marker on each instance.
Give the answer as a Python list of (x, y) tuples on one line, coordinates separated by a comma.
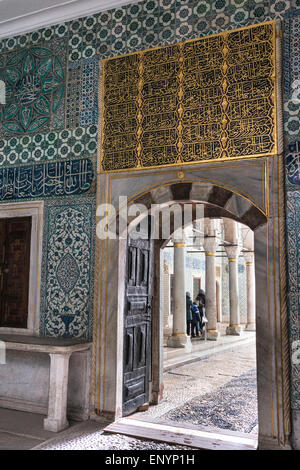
[(196, 321), (189, 315), (201, 298), (201, 306)]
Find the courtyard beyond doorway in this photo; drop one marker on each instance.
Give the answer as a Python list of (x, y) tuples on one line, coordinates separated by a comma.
[(209, 400), (214, 386)]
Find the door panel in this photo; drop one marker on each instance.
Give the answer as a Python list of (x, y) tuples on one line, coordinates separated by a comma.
[(137, 324), (131, 265), (128, 350), (140, 346), (14, 271)]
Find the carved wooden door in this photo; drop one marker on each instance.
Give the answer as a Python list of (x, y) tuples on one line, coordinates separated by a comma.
[(137, 324), (15, 234)]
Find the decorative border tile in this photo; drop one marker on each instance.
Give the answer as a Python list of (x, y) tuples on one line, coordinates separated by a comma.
[(291, 85), (80, 142), (292, 166), (73, 95), (88, 94), (293, 240), (293, 250)]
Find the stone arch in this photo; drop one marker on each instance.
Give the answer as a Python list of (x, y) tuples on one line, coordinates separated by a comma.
[(226, 190), (218, 201)]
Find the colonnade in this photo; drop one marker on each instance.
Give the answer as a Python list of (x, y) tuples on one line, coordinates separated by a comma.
[(236, 242)]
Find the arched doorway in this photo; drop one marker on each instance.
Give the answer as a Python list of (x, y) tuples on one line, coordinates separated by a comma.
[(245, 199), (204, 372)]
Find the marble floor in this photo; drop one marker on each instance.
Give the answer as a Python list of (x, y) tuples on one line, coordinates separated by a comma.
[(20, 430)]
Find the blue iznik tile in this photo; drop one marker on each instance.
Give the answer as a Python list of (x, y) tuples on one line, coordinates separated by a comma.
[(88, 97), (35, 91), (67, 281)]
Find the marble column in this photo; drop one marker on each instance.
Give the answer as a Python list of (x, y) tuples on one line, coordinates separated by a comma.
[(210, 245), (219, 300), (179, 338), (57, 406), (234, 327), (250, 280), (166, 300)]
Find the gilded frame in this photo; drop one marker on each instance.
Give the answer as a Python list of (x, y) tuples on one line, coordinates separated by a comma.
[(275, 151)]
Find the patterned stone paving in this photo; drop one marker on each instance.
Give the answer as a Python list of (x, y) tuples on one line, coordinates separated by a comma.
[(232, 406), (219, 391)]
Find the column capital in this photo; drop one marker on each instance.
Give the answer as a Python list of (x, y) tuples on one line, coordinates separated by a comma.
[(180, 240), (210, 245), (248, 257), (231, 231), (212, 227), (233, 252)]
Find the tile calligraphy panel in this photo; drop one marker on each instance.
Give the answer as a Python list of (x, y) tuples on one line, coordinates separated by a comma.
[(46, 179), (205, 99)]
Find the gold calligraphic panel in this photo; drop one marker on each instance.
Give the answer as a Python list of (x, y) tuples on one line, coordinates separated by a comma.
[(201, 100)]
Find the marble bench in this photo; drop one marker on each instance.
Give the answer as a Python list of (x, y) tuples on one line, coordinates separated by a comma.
[(59, 350)]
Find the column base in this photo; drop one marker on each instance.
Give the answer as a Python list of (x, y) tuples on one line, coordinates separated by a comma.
[(235, 330), (212, 335), (250, 327), (180, 341), (167, 332), (55, 425)]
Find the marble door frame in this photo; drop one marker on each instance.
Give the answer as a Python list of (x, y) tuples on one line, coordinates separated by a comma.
[(33, 209), (250, 192)]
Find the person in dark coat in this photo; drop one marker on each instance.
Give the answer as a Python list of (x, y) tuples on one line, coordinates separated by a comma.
[(196, 321), (189, 315), (201, 305), (201, 297)]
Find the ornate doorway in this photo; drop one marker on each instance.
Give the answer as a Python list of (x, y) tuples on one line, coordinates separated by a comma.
[(250, 192), (15, 239)]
